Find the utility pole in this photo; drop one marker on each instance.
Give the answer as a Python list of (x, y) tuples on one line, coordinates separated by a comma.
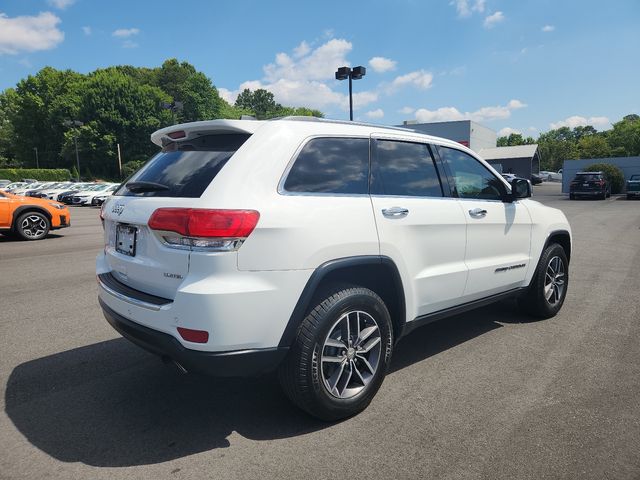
[(75, 140), (35, 149), (73, 124), (119, 162)]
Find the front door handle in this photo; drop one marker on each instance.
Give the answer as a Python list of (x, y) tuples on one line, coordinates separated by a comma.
[(395, 212), (478, 213)]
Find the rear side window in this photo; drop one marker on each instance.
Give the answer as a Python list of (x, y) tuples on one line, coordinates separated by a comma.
[(331, 165), (403, 168), (186, 168)]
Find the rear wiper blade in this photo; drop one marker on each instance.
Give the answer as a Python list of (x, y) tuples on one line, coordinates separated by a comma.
[(138, 187)]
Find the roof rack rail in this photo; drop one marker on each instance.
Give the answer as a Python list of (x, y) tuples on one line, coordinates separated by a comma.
[(300, 118)]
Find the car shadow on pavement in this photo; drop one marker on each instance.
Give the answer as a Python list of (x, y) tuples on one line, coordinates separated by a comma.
[(6, 239), (111, 404)]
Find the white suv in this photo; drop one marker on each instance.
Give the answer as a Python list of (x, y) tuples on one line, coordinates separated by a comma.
[(312, 246)]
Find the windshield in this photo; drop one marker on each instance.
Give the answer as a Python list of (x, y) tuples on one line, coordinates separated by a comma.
[(635, 177), (184, 169)]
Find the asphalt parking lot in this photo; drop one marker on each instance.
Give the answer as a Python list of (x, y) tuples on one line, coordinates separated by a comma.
[(481, 395)]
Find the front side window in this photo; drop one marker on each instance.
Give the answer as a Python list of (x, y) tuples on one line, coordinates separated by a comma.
[(331, 165), (471, 178), (404, 168)]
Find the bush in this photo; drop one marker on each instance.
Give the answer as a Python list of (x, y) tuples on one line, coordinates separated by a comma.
[(614, 175), (46, 174)]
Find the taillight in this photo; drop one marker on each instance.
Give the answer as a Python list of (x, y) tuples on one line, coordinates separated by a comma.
[(203, 228)]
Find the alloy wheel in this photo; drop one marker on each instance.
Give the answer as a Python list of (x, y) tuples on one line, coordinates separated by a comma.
[(34, 226), (350, 354), (554, 281)]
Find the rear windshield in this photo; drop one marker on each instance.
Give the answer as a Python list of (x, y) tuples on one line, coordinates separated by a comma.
[(588, 176), (185, 168)]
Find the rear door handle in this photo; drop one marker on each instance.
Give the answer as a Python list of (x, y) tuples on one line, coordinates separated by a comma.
[(478, 213), (395, 212)]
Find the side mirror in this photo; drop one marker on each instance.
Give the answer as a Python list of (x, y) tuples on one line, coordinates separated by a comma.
[(520, 188)]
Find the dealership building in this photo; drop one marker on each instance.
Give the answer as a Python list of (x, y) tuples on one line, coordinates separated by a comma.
[(521, 160)]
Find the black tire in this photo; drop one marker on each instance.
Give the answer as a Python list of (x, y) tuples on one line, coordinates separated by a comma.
[(572, 196), (535, 302), (604, 195), (302, 374), (629, 197), (32, 226)]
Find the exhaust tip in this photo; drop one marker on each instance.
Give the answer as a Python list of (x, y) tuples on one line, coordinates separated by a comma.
[(167, 360)]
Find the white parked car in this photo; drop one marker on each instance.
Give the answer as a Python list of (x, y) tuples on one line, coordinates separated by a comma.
[(551, 176), (84, 197), (52, 193), (13, 186), (311, 246), (100, 197)]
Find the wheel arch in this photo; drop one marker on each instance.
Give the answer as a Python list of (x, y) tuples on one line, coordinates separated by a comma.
[(29, 208), (377, 273), (562, 238)]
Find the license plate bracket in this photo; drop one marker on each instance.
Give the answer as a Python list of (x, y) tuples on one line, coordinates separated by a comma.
[(126, 236)]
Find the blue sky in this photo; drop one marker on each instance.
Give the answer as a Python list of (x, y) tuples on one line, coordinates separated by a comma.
[(511, 65)]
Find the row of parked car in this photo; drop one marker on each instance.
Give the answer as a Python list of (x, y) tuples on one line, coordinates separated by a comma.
[(69, 193)]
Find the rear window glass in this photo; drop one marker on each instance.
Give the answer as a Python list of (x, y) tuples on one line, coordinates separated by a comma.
[(588, 176), (331, 165), (186, 168)]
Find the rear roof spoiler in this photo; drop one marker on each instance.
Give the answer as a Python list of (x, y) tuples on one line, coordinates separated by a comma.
[(194, 129)]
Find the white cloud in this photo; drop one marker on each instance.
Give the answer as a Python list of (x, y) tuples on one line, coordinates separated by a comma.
[(493, 19), (29, 33), (382, 64), (483, 114), (406, 110), (465, 8), (125, 32), (228, 95), (61, 4), (420, 79), (301, 50), (25, 63), (318, 64), (129, 44), (304, 78), (548, 28), (87, 30), (378, 113), (506, 131), (578, 121)]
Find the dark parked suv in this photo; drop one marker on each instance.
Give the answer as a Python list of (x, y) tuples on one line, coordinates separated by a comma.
[(591, 184)]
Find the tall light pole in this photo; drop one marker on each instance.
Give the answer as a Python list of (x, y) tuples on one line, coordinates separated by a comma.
[(35, 149), (75, 123), (355, 73)]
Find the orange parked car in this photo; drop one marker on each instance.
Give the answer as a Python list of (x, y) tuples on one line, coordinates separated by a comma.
[(31, 218)]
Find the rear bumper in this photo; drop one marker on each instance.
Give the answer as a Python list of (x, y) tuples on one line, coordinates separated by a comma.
[(587, 193), (238, 363)]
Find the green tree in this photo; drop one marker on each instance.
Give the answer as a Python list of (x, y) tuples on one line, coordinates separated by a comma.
[(514, 139), (593, 146), (261, 102), (556, 146), (185, 84), (44, 101), (624, 138)]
